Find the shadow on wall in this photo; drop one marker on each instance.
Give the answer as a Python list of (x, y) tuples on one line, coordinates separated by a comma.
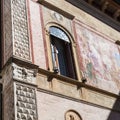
[(115, 113), (0, 101)]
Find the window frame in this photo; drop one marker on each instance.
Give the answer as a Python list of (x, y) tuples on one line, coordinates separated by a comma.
[(64, 63), (73, 49)]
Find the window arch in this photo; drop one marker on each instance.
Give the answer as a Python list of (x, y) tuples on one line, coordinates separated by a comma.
[(61, 51), (57, 32)]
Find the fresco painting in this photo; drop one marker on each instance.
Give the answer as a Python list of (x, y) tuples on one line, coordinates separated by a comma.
[(99, 59)]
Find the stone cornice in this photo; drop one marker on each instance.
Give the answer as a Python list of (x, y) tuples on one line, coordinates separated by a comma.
[(76, 100), (51, 76), (23, 72), (78, 84), (51, 6), (81, 4)]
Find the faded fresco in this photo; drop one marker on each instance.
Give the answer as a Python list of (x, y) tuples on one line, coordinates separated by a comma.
[(99, 59)]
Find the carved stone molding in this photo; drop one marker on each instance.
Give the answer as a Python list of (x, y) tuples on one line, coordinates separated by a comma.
[(24, 74), (21, 46), (57, 16), (72, 115), (25, 103), (81, 4), (15, 29)]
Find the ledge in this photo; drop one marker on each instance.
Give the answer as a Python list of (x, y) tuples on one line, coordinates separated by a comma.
[(75, 90), (68, 87), (76, 100), (75, 82), (52, 7), (50, 76)]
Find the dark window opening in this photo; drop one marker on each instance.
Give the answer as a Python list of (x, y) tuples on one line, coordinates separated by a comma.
[(62, 57), (96, 4), (117, 1)]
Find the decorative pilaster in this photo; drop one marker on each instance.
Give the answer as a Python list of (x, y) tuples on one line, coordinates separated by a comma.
[(19, 91), (21, 46), (15, 29)]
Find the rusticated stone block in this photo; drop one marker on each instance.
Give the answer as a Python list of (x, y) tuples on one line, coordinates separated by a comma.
[(20, 29), (26, 75), (26, 103)]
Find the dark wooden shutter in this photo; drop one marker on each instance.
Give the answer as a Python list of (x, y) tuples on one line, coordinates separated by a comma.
[(61, 55), (70, 61), (65, 58)]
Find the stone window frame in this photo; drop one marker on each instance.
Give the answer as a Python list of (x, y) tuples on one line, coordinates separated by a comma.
[(73, 47)]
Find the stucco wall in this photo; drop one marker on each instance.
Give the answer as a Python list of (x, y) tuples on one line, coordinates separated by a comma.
[(36, 34), (51, 107), (99, 58), (85, 18), (97, 53)]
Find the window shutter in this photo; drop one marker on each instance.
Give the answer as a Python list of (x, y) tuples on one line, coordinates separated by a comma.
[(62, 59), (70, 61)]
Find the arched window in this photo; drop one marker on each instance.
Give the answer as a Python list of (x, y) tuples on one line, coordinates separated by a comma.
[(62, 57)]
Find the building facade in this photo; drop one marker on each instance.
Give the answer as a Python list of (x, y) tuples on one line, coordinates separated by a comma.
[(60, 60)]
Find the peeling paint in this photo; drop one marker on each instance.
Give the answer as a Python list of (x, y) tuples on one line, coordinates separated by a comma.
[(99, 59)]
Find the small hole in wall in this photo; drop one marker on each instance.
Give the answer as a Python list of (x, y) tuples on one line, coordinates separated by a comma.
[(117, 42)]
